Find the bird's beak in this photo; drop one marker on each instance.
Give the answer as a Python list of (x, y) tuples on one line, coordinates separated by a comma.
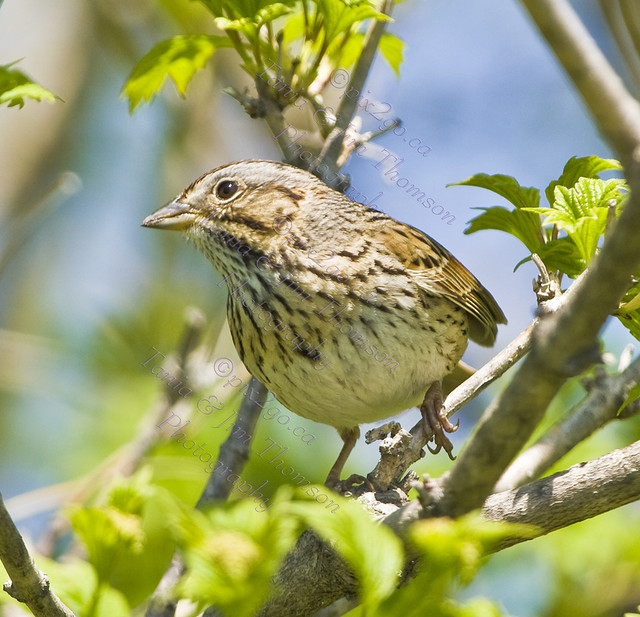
[(175, 215)]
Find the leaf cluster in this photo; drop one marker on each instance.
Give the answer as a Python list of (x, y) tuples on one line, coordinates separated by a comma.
[(232, 553), (568, 233), (296, 42)]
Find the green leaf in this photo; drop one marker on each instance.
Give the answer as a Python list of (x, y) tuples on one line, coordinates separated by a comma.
[(505, 186), (340, 15), (215, 7), (347, 54), (77, 585), (178, 58), (629, 312), (271, 12), (633, 395), (253, 10), (519, 223), (451, 553), (126, 539), (232, 552), (583, 167), (109, 535), (15, 87), (582, 211), (373, 551), (561, 254), (250, 25), (293, 29), (392, 48), (523, 225)]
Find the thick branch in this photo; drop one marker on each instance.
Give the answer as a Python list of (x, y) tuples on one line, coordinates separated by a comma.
[(28, 584), (314, 576), (581, 492)]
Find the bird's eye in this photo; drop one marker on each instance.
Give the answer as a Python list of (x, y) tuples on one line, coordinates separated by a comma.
[(226, 189)]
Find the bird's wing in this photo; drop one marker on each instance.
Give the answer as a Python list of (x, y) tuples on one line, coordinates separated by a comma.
[(439, 273)]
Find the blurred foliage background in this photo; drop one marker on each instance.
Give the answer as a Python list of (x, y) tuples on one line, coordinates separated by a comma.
[(86, 293)]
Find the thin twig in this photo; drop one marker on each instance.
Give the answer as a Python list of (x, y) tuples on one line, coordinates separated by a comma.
[(28, 584), (233, 454), (492, 370), (333, 147)]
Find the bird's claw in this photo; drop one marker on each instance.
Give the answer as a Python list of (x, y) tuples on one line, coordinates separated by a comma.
[(436, 422)]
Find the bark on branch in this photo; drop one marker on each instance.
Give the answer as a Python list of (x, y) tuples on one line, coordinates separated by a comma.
[(314, 576), (28, 584), (567, 497)]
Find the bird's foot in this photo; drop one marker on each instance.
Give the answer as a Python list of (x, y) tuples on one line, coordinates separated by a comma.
[(436, 422), (345, 486)]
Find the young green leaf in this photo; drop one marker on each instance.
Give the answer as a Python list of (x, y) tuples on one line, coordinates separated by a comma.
[(346, 55), (451, 553), (15, 87), (583, 167), (505, 186), (522, 224), (340, 15), (250, 26), (178, 58), (391, 48), (109, 535), (232, 553), (77, 584), (582, 211), (253, 10), (629, 311)]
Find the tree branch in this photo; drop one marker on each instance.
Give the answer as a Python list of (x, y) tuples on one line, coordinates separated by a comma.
[(28, 584), (568, 497), (615, 112), (333, 146), (492, 370), (564, 342), (314, 576)]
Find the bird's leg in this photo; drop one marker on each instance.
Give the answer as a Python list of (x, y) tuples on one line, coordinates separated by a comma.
[(435, 421), (349, 436)]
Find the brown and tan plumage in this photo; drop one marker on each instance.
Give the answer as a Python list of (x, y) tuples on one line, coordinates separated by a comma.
[(358, 314), (441, 274)]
